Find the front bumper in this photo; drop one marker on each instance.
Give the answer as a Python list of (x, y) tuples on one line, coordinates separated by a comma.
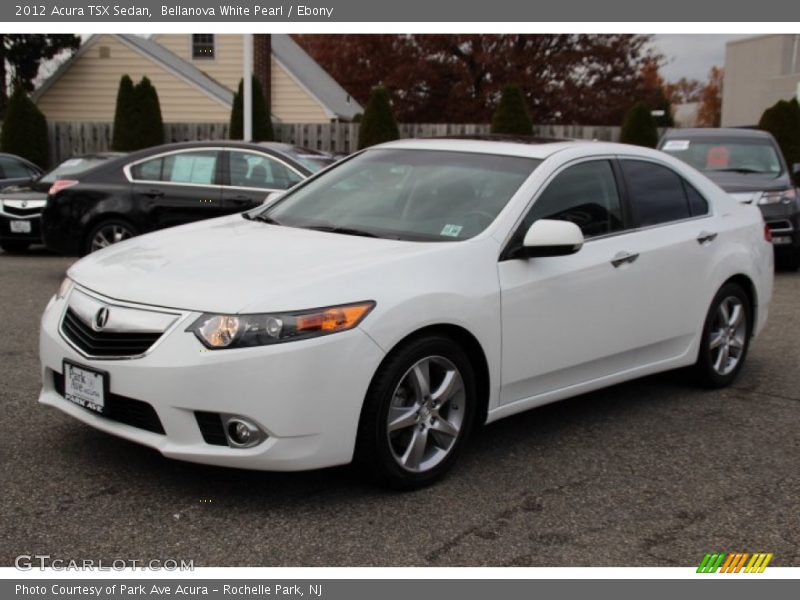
[(306, 395), (34, 236)]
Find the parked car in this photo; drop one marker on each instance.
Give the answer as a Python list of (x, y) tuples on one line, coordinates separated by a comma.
[(748, 164), (21, 206), (168, 185), (385, 306), (15, 170)]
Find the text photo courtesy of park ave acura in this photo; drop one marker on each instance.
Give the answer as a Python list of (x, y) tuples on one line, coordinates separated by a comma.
[(398, 300)]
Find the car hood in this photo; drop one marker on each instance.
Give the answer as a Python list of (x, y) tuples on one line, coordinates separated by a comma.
[(748, 182), (22, 192), (232, 265)]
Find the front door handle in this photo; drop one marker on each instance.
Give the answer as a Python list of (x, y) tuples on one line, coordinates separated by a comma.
[(154, 193), (705, 237), (622, 258)]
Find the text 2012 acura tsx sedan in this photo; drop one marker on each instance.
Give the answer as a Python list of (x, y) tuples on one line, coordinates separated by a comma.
[(383, 308)]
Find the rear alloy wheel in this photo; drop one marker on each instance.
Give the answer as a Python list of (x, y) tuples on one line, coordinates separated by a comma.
[(417, 414), (107, 233), (726, 337)]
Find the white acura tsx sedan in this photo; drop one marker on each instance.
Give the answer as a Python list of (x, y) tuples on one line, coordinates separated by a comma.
[(382, 309)]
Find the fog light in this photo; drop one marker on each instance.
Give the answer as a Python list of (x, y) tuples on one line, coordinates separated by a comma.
[(242, 433)]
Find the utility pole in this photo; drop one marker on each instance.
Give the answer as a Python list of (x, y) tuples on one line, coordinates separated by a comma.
[(247, 101)]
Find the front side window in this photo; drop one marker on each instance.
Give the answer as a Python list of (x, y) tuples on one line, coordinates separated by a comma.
[(657, 193), (585, 194), (254, 170), (196, 168), (426, 195), (203, 45)]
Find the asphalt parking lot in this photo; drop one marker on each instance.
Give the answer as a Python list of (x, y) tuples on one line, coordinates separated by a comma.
[(649, 473)]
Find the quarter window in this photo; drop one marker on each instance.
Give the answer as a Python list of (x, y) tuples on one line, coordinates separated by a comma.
[(697, 204), (585, 194), (254, 170), (656, 192), (203, 45)]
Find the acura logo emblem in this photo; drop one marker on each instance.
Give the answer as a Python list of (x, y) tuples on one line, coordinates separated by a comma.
[(24, 204), (100, 319)]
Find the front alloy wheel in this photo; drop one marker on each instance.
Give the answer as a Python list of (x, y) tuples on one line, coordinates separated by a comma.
[(418, 411)]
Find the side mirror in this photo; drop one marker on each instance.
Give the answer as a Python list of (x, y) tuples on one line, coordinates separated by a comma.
[(271, 197), (551, 238), (796, 169)]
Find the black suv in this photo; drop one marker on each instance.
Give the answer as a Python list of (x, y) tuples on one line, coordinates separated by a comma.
[(169, 185), (749, 165)]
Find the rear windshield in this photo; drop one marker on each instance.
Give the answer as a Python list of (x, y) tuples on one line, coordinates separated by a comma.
[(719, 155), (72, 168), (311, 160)]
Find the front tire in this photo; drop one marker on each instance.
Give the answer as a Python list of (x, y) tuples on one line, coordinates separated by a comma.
[(417, 414), (726, 337)]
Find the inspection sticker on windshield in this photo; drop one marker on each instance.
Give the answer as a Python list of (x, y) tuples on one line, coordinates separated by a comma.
[(451, 230), (676, 145)]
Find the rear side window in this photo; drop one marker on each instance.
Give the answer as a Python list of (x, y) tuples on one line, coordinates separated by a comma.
[(196, 167), (656, 192), (585, 194)]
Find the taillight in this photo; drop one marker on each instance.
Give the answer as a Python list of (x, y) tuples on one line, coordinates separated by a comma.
[(61, 184), (767, 233)]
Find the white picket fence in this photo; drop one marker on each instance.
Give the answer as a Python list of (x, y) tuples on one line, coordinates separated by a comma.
[(69, 139)]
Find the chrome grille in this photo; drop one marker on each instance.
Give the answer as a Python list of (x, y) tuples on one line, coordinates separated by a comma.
[(105, 343)]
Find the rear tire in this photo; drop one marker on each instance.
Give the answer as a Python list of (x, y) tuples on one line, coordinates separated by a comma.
[(15, 247), (106, 233), (418, 412), (726, 337)]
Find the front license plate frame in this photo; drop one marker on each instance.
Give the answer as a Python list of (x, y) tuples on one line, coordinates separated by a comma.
[(86, 387)]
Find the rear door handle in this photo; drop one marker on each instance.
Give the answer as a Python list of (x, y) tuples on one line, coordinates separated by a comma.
[(622, 258), (154, 193), (705, 237)]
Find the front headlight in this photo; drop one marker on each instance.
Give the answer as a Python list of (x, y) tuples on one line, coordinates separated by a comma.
[(240, 331), (785, 196), (64, 288)]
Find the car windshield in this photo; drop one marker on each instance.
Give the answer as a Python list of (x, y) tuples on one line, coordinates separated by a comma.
[(404, 194), (734, 156), (71, 168)]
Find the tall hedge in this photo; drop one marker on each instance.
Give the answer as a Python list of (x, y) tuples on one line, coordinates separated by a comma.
[(137, 118), (25, 129), (782, 120), (639, 127), (377, 122), (262, 120), (125, 123), (150, 130), (511, 116)]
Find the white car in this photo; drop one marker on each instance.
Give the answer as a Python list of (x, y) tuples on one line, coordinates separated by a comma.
[(380, 310)]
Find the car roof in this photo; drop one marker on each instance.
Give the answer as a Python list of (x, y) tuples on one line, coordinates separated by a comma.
[(718, 132)]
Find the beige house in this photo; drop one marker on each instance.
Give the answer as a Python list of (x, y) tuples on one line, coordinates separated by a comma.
[(759, 71), (195, 76)]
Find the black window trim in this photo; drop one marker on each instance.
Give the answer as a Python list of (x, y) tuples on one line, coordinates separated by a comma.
[(213, 55)]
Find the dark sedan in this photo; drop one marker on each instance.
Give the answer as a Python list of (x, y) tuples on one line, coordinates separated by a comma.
[(21, 205), (169, 185)]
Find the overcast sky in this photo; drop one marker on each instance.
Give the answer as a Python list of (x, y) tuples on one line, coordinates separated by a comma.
[(692, 55)]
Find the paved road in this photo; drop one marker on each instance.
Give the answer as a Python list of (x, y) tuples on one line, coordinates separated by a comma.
[(653, 472)]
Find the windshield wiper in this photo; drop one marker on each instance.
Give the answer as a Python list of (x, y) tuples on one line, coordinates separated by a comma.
[(260, 217), (738, 170), (342, 230)]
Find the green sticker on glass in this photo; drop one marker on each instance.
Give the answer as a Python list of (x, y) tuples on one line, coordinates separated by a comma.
[(451, 230)]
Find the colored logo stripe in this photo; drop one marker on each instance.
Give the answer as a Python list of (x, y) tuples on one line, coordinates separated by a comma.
[(734, 562)]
